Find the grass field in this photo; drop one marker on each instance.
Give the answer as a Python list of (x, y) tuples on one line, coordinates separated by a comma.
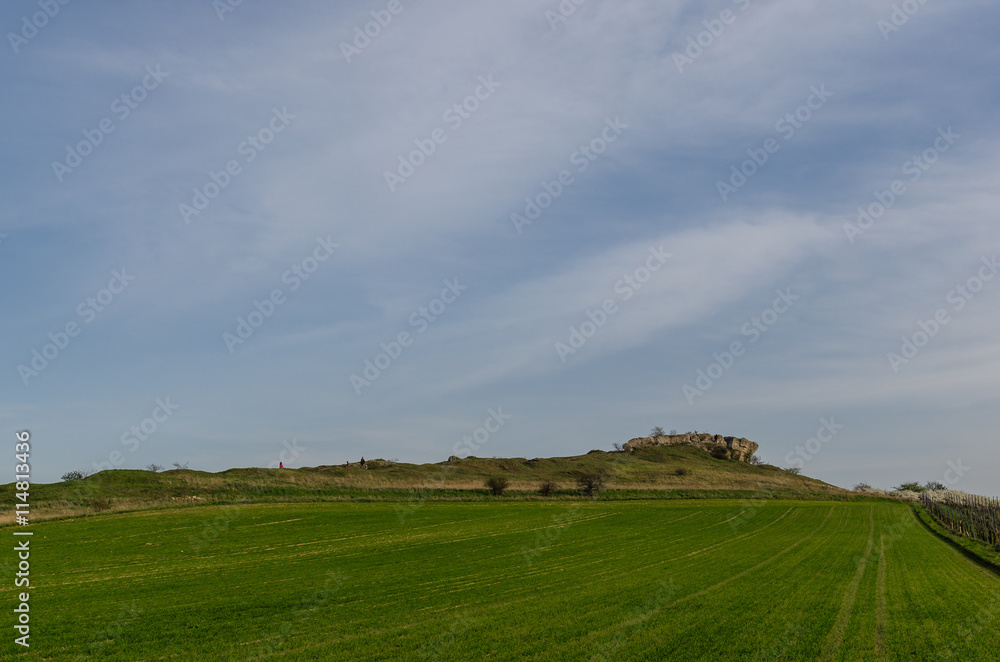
[(570, 580)]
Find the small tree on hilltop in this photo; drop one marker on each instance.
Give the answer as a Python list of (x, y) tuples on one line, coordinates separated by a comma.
[(862, 487), (913, 486), (794, 470), (657, 432), (934, 486), (75, 475), (154, 468)]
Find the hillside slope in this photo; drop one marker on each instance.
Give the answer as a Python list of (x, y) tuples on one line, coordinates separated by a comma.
[(659, 472)]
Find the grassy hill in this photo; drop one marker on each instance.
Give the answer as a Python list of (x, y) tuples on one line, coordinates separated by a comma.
[(660, 472)]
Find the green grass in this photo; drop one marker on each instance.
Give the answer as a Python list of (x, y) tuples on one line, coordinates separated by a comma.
[(509, 580)]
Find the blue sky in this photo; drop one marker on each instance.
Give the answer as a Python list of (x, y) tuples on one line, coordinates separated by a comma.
[(119, 118)]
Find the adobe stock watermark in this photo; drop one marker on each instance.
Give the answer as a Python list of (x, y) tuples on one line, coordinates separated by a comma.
[(289, 453), (545, 538), (441, 644), (803, 453), (581, 158), (223, 7), (754, 330), (32, 24), (714, 27), (898, 17), (121, 108), (372, 29), (420, 319), (98, 642), (249, 149), (87, 310), (454, 115), (915, 167), (481, 435), (563, 11), (133, 438), (784, 127), (293, 277), (625, 289), (957, 298)]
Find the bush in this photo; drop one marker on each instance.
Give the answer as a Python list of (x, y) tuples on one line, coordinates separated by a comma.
[(720, 452), (934, 486), (682, 471), (756, 461), (154, 467), (657, 432), (178, 465), (593, 452), (590, 483), (793, 470), (75, 475), (547, 488), (909, 487), (498, 484), (862, 487)]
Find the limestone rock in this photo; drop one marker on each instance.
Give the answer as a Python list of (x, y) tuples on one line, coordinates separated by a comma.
[(739, 448)]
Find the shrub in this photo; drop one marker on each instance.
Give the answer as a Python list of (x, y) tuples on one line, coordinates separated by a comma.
[(720, 452), (934, 486), (756, 461), (657, 432), (498, 484), (682, 471), (593, 452), (154, 467), (909, 487), (590, 483), (618, 447), (178, 465), (794, 470), (547, 488), (75, 475), (862, 487)]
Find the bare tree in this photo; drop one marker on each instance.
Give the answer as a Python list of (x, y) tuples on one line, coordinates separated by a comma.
[(657, 432)]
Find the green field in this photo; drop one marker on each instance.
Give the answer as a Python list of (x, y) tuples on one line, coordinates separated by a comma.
[(518, 580)]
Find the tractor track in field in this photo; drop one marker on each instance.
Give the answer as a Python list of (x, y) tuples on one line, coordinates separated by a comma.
[(760, 565), (880, 608), (835, 638)]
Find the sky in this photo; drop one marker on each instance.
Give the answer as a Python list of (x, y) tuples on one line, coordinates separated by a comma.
[(238, 233)]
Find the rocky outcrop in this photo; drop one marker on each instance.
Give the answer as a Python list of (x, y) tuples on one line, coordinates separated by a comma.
[(739, 448)]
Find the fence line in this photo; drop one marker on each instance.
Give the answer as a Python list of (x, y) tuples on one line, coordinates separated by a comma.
[(968, 515)]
